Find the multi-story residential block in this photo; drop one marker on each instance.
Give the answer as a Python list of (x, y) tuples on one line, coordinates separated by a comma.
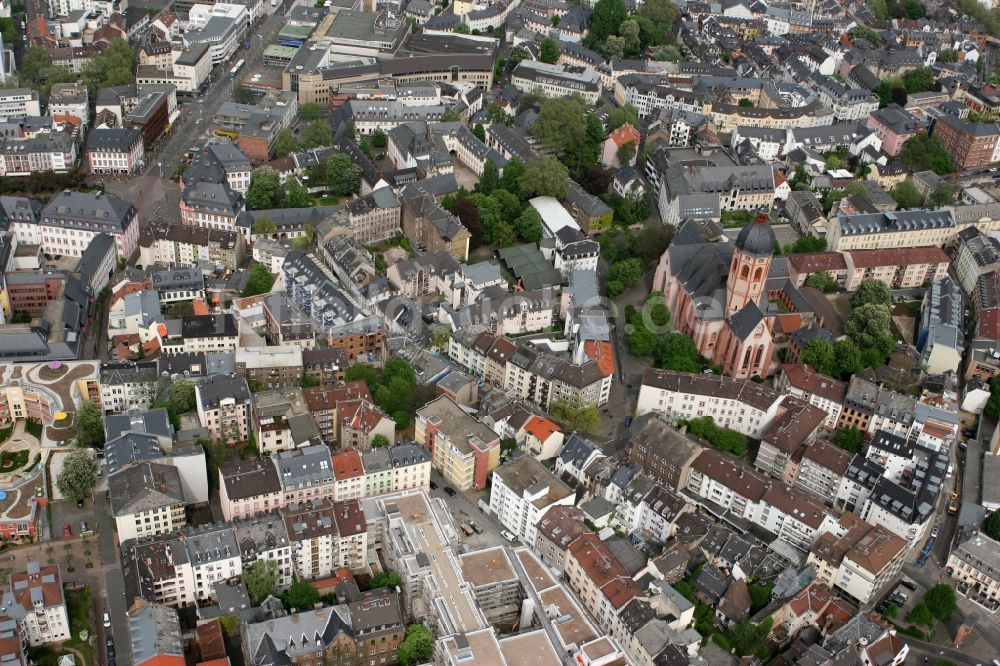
[(557, 80), (271, 367), (818, 390), (49, 151), (978, 255), (898, 268), (213, 555), (895, 126), (707, 191), (71, 220), (225, 407), (180, 245), (348, 475), (424, 275), (212, 205), (411, 465), (858, 559), (464, 449), (281, 421), (249, 487), (822, 470), (900, 229), (975, 564), (660, 450), (97, 263), (154, 635), (325, 536), (325, 402), (178, 284), (128, 386), (265, 537), (202, 333), (941, 329), (970, 144), (19, 102), (522, 491), (495, 584), (431, 227), (146, 500), (305, 474), (601, 582), (558, 527), (286, 323), (114, 151), (366, 630), (36, 606), (371, 218)]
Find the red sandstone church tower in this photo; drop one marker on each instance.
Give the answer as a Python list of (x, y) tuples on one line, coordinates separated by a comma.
[(751, 263)]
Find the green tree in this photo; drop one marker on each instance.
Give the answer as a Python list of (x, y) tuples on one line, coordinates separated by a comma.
[(605, 20), (311, 111), (216, 456), (626, 113), (867, 323), (508, 204), (261, 580), (849, 439), (300, 595), (181, 396), (517, 54), (511, 178), (749, 639), (296, 196), (265, 188), (115, 66), (921, 79), (819, 354), (342, 175), (849, 358), (264, 226), (626, 153), (806, 244), (662, 12), (641, 341), (871, 291), (242, 94), (440, 336), (760, 596), (529, 225), (924, 152), (920, 614), (947, 55), (625, 272), (564, 127), (675, 351), (544, 177), (822, 281), (379, 139), (417, 646), (78, 476), (864, 32), (941, 602), (362, 372), (34, 65), (462, 29), (382, 579), (479, 132), (317, 134), (548, 51), (669, 53), (575, 415), (907, 195), (285, 143), (490, 179), (260, 281), (942, 196), (991, 525), (89, 425), (450, 116), (306, 239)]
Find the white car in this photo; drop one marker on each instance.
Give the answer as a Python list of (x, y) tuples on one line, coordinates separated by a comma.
[(107, 620), (507, 535)]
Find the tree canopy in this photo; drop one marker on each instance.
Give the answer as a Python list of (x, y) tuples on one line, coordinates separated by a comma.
[(261, 579), (89, 425), (78, 476), (300, 595), (544, 177), (575, 415), (924, 152), (417, 646), (260, 280)]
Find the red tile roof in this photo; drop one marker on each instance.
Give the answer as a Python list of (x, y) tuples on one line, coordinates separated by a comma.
[(541, 428), (625, 134), (901, 256), (814, 262), (602, 352), (347, 465)]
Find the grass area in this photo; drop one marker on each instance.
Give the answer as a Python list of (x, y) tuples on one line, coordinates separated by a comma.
[(33, 428), (327, 201), (34, 464), (78, 604), (5, 433), (11, 460)]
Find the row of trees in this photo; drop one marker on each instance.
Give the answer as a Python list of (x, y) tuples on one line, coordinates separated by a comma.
[(616, 33), (317, 134), (907, 195), (115, 66)]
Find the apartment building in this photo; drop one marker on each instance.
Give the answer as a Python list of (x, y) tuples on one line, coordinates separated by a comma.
[(225, 407), (249, 487), (348, 475), (495, 584), (71, 220), (977, 255), (146, 500), (265, 537), (803, 382), (858, 559), (281, 421), (463, 449), (36, 605), (325, 402), (326, 536), (180, 245), (660, 450), (114, 151), (557, 528), (305, 474), (794, 427), (898, 268), (522, 491), (128, 386), (970, 144), (975, 565), (45, 151), (16, 102), (202, 333), (714, 189), (601, 582), (371, 218), (822, 469), (178, 284), (271, 367), (899, 229), (557, 80)]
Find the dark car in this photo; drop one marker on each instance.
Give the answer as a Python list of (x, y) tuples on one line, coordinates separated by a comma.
[(451, 491), (79, 504), (434, 486), (969, 432)]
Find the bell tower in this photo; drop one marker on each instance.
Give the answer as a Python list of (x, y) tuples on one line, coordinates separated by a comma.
[(751, 263)]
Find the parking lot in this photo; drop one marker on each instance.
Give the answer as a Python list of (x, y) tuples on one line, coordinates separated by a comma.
[(66, 512)]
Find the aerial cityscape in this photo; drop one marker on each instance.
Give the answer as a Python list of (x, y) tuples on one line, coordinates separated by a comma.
[(499, 332)]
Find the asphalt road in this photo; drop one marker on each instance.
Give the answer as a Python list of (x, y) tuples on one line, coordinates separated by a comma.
[(114, 601)]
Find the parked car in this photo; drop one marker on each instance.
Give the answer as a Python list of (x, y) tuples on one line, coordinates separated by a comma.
[(507, 535), (451, 491), (107, 619), (434, 486), (934, 533), (79, 504), (67, 532)]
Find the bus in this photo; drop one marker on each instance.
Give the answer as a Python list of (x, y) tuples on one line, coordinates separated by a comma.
[(237, 67), (229, 134)]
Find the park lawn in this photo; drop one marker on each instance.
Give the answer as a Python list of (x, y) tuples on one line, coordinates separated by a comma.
[(327, 201)]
